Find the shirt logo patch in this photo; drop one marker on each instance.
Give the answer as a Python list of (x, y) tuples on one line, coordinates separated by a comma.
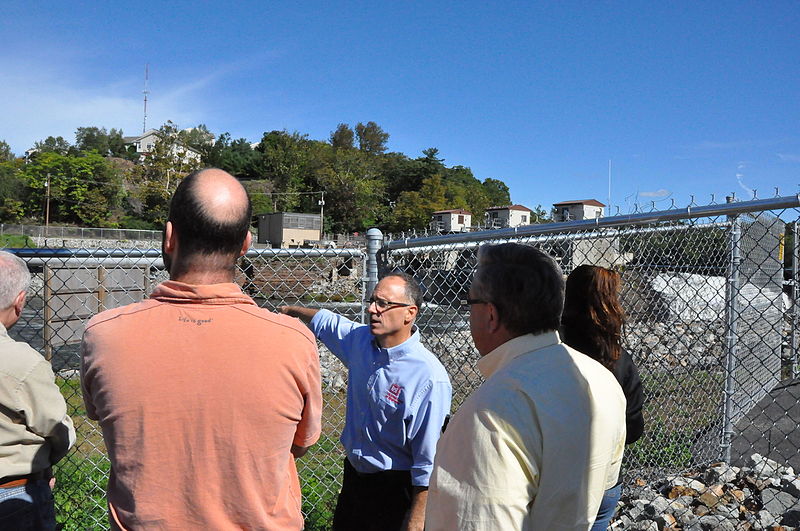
[(393, 394)]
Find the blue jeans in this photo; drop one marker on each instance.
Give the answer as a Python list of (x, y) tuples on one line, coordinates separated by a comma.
[(607, 508), (29, 507)]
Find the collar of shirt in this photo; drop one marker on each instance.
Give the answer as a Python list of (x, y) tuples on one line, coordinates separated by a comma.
[(3, 331), (227, 293), (398, 351), (513, 348)]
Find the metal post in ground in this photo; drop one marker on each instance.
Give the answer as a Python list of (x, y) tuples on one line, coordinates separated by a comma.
[(374, 242), (732, 337), (795, 293)]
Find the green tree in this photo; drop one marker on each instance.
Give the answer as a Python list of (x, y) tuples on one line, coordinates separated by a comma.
[(82, 189), (54, 145), (371, 138), (343, 137), (285, 160), (496, 192), (5, 152), (106, 143), (414, 209), (13, 192)]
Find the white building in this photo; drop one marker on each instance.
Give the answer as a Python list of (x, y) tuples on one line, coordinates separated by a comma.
[(578, 210), (146, 142), (458, 220), (499, 217)]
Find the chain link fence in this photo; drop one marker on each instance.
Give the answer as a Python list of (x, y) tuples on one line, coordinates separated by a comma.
[(712, 327), (712, 324)]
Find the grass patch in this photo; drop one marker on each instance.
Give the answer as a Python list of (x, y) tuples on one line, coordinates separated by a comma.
[(80, 492), (16, 241)]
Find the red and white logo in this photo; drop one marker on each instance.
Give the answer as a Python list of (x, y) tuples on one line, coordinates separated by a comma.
[(393, 394)]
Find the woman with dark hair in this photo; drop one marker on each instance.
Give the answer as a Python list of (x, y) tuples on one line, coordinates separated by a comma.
[(592, 323)]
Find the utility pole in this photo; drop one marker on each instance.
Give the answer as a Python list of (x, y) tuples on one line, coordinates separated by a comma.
[(321, 217)]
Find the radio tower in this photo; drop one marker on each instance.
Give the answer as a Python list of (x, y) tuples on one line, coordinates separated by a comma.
[(145, 92)]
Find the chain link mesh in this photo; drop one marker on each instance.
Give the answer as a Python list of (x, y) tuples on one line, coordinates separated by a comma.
[(712, 326)]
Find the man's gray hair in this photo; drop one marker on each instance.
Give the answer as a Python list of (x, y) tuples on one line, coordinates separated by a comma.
[(14, 277), (525, 285)]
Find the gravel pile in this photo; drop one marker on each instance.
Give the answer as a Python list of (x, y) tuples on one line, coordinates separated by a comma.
[(761, 496)]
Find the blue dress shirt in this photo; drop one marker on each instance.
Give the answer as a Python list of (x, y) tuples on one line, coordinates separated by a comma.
[(397, 398)]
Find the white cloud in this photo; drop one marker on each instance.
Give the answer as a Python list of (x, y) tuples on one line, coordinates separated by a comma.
[(39, 100), (749, 191), (788, 157), (658, 193)]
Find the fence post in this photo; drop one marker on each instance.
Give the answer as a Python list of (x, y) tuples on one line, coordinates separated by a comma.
[(732, 338), (795, 293), (374, 242)]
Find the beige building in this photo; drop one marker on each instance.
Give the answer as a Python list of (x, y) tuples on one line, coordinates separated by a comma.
[(457, 220), (578, 210), (145, 143), (499, 217), (288, 229)]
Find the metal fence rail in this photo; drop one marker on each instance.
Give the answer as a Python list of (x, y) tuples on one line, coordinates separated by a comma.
[(712, 326)]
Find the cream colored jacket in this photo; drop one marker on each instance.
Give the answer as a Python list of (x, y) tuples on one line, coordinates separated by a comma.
[(534, 447), (35, 430)]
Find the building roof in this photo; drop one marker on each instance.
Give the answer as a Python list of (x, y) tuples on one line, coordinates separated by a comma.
[(456, 211), (132, 139), (592, 202), (511, 207)]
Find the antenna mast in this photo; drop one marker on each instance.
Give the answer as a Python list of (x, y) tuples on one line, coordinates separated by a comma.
[(145, 92), (609, 186)]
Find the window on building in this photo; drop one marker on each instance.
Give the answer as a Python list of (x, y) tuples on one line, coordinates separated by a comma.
[(460, 219), (524, 219)]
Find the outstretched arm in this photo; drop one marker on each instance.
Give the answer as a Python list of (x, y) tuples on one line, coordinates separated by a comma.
[(304, 314)]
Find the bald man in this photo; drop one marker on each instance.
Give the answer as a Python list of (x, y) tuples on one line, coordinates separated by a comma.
[(204, 399)]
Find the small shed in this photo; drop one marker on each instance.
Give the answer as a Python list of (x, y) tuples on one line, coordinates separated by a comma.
[(288, 229), (498, 217), (578, 210), (458, 220)]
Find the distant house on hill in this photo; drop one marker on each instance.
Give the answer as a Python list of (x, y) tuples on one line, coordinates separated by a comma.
[(145, 143), (458, 220), (578, 210), (498, 217)]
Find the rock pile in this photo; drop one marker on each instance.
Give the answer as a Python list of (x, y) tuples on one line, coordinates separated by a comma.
[(763, 496)]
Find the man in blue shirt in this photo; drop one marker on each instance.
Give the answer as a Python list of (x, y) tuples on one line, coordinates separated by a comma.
[(398, 396)]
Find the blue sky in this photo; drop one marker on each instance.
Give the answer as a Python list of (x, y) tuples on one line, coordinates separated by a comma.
[(687, 98)]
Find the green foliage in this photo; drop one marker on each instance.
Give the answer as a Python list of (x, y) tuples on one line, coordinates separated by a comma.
[(371, 138), (343, 137), (16, 241), (363, 187), (103, 142), (82, 189), (5, 152), (54, 145), (320, 479), (496, 192), (80, 491)]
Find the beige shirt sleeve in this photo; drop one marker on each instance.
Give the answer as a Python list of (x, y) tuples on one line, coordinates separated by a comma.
[(45, 410)]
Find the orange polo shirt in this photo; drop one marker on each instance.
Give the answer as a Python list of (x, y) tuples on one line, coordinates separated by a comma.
[(200, 395)]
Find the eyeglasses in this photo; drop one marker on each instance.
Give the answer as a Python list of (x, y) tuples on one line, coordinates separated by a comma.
[(384, 305), (465, 304)]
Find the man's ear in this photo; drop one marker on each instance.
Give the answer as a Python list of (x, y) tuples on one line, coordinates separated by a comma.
[(19, 303), (493, 319), (169, 238), (246, 245), (411, 315)]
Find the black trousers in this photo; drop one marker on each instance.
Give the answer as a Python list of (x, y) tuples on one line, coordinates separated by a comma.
[(372, 502)]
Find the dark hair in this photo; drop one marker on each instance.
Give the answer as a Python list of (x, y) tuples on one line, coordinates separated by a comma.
[(200, 232), (412, 289), (593, 315), (525, 285)]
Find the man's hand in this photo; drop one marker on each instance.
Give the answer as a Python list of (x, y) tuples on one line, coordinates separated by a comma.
[(415, 520)]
